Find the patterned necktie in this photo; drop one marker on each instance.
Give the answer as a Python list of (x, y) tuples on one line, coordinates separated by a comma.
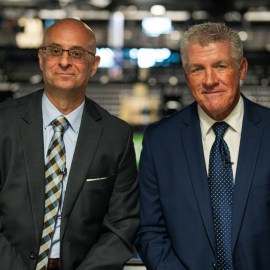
[(54, 173), (221, 190)]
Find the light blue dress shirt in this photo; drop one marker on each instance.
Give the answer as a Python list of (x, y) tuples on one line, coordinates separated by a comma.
[(49, 113)]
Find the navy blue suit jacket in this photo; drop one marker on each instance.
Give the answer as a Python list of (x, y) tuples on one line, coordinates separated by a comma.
[(176, 231)]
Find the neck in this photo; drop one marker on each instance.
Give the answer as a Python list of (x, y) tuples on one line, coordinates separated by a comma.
[(65, 103)]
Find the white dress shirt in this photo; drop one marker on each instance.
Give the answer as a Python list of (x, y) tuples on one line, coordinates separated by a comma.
[(49, 113), (232, 136)]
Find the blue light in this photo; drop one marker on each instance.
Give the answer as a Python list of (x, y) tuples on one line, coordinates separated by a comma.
[(107, 57)]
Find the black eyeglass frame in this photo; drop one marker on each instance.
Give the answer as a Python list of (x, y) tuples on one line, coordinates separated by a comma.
[(85, 52)]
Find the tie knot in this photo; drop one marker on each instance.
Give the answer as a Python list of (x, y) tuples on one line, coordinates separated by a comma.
[(60, 123), (220, 128)]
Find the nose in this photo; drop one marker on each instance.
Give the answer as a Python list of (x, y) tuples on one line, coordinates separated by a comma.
[(64, 60), (210, 77)]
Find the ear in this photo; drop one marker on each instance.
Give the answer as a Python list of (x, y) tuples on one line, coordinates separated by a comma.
[(94, 66), (243, 68), (40, 59)]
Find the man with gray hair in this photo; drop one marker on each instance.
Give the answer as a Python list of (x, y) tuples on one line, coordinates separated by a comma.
[(205, 190)]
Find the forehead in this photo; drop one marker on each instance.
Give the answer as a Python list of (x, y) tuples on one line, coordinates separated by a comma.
[(69, 34), (215, 51)]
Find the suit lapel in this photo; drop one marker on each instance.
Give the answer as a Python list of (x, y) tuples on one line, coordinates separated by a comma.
[(192, 142), (87, 142), (31, 125), (249, 147)]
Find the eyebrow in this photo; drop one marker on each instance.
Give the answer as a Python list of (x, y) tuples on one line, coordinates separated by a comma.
[(72, 47), (54, 44), (214, 63)]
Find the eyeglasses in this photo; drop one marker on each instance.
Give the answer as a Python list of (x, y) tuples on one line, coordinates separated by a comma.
[(76, 54)]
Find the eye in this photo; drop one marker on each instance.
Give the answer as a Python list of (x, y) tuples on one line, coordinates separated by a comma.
[(77, 54), (221, 67), (195, 70), (55, 51)]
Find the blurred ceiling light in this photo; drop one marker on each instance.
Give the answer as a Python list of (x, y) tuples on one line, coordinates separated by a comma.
[(150, 57), (100, 3), (243, 35), (116, 30), (138, 15), (20, 2), (64, 3), (92, 14), (173, 105), (52, 14), (173, 80), (233, 16), (107, 57), (155, 26), (35, 79), (179, 16), (32, 35), (158, 10), (175, 35), (200, 15), (257, 16)]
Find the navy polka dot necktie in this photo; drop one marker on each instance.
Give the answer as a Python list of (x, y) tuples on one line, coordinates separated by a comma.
[(221, 189)]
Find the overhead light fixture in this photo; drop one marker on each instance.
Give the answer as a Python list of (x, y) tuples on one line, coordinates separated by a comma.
[(179, 15), (243, 35), (200, 15), (100, 3), (32, 34), (233, 16), (158, 10), (155, 26), (257, 16), (55, 14)]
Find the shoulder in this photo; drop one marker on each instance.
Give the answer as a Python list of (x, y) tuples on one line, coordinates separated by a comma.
[(18, 105), (109, 121), (256, 110), (174, 122)]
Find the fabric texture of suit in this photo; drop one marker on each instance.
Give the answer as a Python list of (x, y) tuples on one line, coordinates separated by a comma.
[(176, 231), (100, 213)]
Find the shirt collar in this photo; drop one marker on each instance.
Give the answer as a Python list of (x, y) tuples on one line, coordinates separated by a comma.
[(234, 119), (50, 112)]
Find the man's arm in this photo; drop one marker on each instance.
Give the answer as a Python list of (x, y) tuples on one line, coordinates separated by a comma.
[(115, 244), (153, 241)]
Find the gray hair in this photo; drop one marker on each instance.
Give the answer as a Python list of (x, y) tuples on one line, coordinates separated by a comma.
[(210, 32)]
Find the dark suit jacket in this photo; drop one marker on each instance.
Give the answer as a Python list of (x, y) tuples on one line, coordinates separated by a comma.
[(99, 218), (176, 231)]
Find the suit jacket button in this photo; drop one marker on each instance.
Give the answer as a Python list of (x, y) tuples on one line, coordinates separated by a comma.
[(33, 255)]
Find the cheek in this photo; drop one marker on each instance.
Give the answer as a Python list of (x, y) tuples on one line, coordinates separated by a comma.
[(195, 89), (82, 69), (47, 66), (196, 94)]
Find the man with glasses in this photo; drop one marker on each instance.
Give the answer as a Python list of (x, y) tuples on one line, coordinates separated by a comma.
[(68, 188)]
